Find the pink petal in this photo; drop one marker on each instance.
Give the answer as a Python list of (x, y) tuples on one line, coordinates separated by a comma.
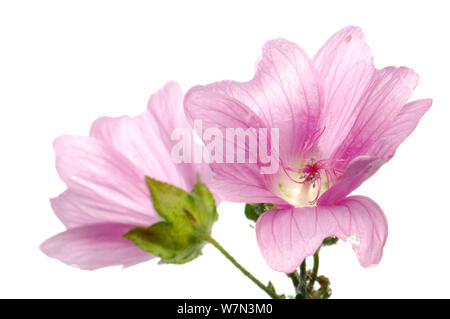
[(358, 171), (383, 100), (345, 68), (363, 167), (284, 94), (167, 113), (242, 183), (95, 246), (145, 139), (75, 209), (402, 126), (286, 237), (284, 86), (237, 182), (102, 184)]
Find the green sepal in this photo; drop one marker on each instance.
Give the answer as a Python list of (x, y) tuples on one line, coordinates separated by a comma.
[(330, 241), (188, 220), (253, 211)]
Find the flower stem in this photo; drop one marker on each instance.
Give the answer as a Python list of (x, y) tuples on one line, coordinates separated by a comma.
[(314, 272), (302, 286), (295, 278), (269, 290)]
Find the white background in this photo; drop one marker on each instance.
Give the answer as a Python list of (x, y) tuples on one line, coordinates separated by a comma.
[(65, 63)]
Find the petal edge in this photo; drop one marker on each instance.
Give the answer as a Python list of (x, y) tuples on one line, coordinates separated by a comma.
[(287, 236)]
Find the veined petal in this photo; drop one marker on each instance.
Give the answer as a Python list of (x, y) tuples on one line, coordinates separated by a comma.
[(284, 94), (136, 140), (146, 139), (287, 236), (331, 52), (238, 182), (402, 126), (74, 209), (357, 171), (101, 180), (288, 96), (95, 246), (167, 114), (383, 100), (243, 183), (345, 68)]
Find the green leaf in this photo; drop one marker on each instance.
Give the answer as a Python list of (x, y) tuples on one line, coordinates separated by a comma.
[(188, 220), (253, 211), (330, 241)]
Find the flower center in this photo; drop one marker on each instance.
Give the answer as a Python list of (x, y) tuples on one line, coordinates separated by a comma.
[(302, 187)]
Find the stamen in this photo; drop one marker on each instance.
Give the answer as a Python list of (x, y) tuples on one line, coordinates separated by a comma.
[(289, 176), (309, 181)]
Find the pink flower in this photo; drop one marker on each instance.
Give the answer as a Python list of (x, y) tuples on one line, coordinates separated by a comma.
[(106, 192), (339, 119)]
